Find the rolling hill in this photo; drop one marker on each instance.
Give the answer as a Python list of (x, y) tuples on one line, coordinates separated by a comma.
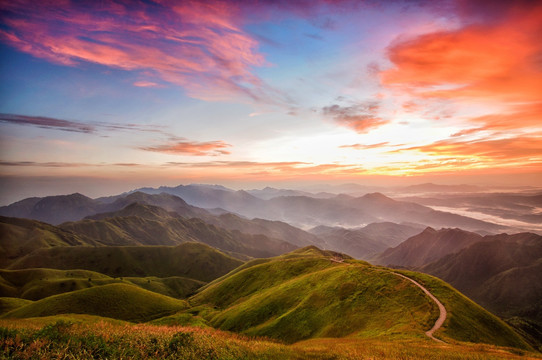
[(36, 284), (118, 301), (310, 294), (19, 237), (192, 260)]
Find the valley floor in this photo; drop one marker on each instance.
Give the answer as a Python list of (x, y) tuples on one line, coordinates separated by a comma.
[(90, 337)]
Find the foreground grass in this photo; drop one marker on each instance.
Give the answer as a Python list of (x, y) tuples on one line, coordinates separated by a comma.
[(85, 337)]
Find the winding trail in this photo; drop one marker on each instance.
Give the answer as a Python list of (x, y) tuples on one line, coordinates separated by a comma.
[(442, 309)]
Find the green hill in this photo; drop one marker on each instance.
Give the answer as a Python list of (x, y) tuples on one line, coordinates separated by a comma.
[(8, 304), (36, 284), (19, 237), (117, 301), (192, 260), (312, 294)]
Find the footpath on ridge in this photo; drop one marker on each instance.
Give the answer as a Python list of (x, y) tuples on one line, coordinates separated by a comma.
[(442, 310)]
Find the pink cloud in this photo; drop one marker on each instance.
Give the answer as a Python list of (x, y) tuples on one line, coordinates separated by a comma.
[(197, 45), (146, 84)]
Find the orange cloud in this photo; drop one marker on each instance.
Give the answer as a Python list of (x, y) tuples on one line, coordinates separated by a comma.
[(522, 152), (197, 45), (496, 63), (497, 60), (281, 169), (183, 147)]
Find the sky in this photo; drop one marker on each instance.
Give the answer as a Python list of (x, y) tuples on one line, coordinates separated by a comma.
[(102, 96)]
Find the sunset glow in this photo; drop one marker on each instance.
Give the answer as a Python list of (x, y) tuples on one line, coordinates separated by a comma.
[(270, 91)]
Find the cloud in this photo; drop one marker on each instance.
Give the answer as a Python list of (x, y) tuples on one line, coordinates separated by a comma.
[(360, 117), (365, 147), (280, 168), (44, 164), (48, 123), (492, 61), (521, 151), (146, 84), (199, 45), (185, 147), (75, 126)]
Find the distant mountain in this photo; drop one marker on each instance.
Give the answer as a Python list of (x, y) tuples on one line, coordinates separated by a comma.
[(209, 196), (19, 237), (272, 229), (192, 260), (301, 211), (269, 193), (163, 200), (365, 242), (437, 188), (520, 207), (53, 209), (140, 224), (502, 273), (426, 247)]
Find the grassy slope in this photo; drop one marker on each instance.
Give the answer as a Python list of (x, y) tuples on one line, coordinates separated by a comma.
[(19, 237), (303, 295), (89, 337), (118, 301), (8, 304), (466, 320), (36, 284), (193, 260)]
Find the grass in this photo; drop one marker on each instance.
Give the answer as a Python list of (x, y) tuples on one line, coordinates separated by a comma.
[(303, 305), (326, 300), (80, 337), (466, 320), (305, 295), (8, 304), (118, 301), (36, 284), (22, 236), (193, 260)]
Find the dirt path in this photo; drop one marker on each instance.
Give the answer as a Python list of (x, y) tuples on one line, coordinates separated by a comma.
[(442, 309)]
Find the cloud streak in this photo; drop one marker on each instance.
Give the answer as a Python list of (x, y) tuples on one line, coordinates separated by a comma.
[(43, 122), (47, 123)]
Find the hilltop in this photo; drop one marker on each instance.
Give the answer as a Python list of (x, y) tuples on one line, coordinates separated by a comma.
[(312, 294)]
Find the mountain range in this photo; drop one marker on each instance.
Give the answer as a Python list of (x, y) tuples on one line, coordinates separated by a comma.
[(267, 275)]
